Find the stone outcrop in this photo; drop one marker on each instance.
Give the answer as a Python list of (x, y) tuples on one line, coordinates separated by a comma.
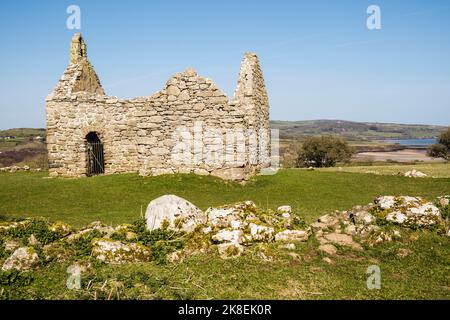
[(148, 135), (229, 231)]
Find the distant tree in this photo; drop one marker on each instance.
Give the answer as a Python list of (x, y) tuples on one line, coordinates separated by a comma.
[(324, 151), (442, 148)]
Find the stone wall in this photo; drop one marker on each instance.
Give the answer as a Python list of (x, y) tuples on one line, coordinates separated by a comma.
[(145, 134)]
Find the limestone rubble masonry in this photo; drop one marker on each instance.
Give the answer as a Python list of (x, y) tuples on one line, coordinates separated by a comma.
[(138, 134)]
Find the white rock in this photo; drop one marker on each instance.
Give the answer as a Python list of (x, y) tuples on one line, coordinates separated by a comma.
[(426, 209), (444, 201), (386, 202), (232, 236), (328, 249), (178, 212), (220, 217), (350, 229), (32, 241), (116, 252), (174, 257), (286, 215), (261, 233), (327, 219), (12, 245), (236, 224), (22, 259), (288, 246), (396, 217), (415, 174), (292, 235), (207, 230), (284, 209), (406, 200)]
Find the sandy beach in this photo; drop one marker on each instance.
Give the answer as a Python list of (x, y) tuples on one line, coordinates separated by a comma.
[(407, 155)]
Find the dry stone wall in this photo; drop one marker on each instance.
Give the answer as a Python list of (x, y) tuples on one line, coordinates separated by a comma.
[(189, 126)]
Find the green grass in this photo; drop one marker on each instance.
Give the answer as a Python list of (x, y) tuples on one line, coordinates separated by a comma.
[(421, 275), (436, 170), (120, 198)]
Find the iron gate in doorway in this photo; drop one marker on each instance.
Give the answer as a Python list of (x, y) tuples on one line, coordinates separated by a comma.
[(95, 155)]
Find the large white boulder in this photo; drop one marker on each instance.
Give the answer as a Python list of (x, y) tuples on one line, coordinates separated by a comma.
[(178, 213)]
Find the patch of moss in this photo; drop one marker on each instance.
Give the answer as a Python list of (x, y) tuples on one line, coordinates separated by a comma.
[(37, 227), (161, 242), (82, 247)]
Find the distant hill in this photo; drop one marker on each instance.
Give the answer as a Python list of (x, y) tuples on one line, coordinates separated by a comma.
[(356, 131), (22, 132), (298, 129)]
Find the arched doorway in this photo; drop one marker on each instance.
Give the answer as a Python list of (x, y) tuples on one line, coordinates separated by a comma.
[(95, 157)]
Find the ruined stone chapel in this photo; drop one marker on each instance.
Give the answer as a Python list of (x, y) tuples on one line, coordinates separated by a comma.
[(91, 133)]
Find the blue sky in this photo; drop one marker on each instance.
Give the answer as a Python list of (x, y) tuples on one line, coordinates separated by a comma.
[(318, 58)]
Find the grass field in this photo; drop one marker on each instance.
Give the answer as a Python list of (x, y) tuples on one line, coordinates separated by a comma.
[(435, 170), (421, 275), (119, 198), (298, 274)]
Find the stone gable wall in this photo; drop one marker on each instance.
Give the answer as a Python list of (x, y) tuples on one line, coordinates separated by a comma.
[(141, 134)]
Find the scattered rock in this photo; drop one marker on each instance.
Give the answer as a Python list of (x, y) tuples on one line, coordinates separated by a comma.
[(444, 201), (292, 235), (342, 240), (14, 169), (32, 241), (409, 211), (12, 245), (415, 174), (327, 260), (386, 202), (264, 257), (61, 228), (261, 233), (22, 259), (328, 249), (285, 211), (175, 257), (105, 231), (396, 217), (232, 236), (116, 252)]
